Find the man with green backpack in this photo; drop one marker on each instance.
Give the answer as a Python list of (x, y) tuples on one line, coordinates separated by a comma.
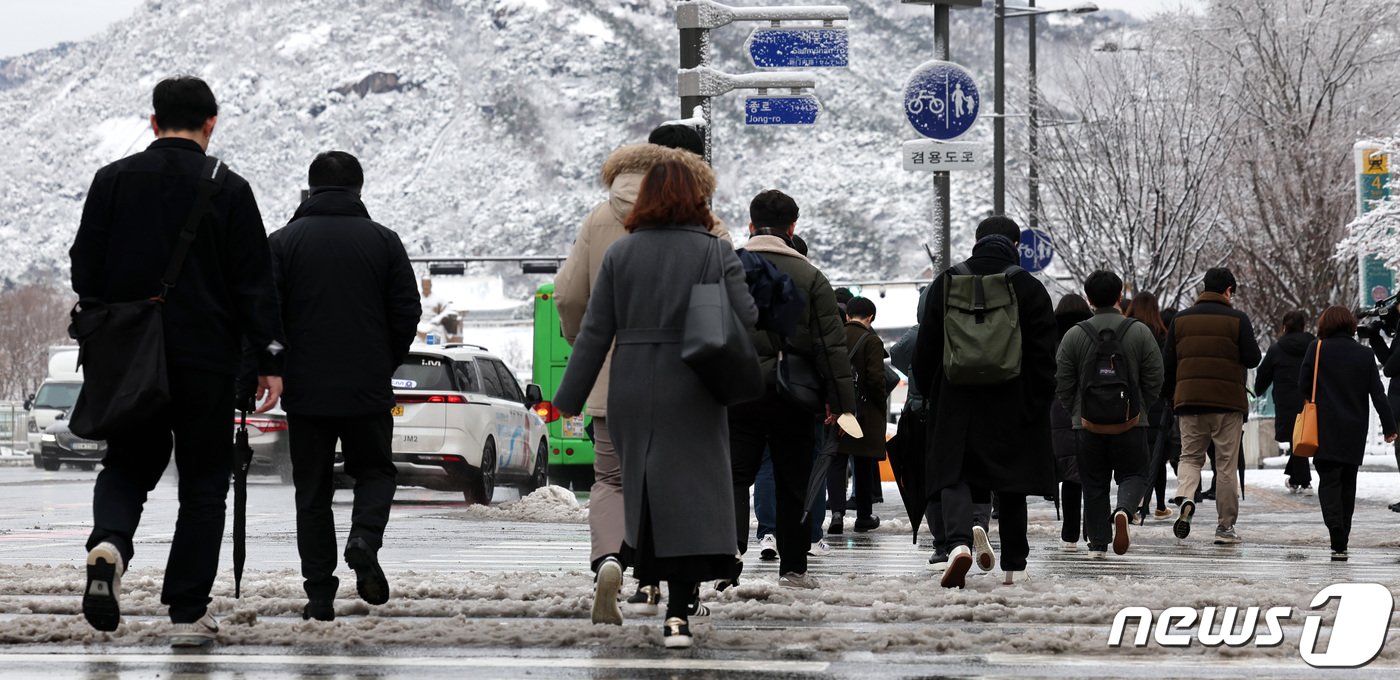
[(985, 361)]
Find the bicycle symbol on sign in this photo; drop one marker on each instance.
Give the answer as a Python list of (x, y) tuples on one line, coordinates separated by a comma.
[(916, 104)]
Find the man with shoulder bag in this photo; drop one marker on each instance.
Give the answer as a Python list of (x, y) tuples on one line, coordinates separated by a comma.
[(172, 225), (805, 376)]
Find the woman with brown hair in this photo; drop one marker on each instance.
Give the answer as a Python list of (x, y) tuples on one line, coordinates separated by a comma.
[(672, 437), (1144, 308), (1346, 377)]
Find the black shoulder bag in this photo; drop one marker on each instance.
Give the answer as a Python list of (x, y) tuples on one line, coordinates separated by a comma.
[(800, 382), (715, 345), (121, 345)]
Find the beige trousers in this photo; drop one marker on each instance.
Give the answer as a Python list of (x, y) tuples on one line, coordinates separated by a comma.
[(1198, 431), (606, 516)]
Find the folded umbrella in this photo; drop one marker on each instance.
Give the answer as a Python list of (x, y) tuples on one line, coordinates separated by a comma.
[(816, 483), (1158, 464), (243, 458), (906, 452)]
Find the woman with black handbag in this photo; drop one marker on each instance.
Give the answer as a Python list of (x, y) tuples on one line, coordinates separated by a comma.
[(670, 429), (1339, 374)]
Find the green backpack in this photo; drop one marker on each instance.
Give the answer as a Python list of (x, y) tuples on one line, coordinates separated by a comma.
[(981, 327)]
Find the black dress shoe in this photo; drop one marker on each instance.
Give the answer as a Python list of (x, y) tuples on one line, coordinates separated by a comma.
[(864, 524), (369, 578)]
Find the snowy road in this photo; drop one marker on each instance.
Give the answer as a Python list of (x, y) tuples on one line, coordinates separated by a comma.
[(504, 592)]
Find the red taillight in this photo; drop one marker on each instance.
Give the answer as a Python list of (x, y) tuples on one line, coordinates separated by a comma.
[(546, 411), (430, 399), (264, 425)]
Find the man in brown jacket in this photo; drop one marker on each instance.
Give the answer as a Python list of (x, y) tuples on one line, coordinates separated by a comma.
[(622, 175), (1209, 348), (867, 354)]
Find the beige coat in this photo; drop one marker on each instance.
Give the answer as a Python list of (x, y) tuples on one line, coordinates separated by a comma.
[(622, 175)]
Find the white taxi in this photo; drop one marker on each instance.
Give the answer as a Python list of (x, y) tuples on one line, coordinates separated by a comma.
[(462, 423)]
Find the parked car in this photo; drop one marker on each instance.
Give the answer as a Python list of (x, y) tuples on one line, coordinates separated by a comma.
[(267, 435), (58, 445), (462, 423), (54, 399)]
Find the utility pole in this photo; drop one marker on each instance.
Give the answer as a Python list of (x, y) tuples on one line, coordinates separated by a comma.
[(1033, 143), (999, 113), (695, 52)]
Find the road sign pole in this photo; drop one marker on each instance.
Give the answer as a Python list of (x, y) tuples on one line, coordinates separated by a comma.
[(941, 186), (1033, 125), (695, 46), (999, 120)]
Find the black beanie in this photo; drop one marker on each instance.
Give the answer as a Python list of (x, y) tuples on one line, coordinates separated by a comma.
[(678, 137)]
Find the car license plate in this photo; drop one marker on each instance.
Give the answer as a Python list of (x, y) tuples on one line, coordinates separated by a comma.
[(397, 411), (85, 446), (573, 428)]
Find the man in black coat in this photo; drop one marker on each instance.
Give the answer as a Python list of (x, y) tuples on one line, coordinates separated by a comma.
[(133, 215), (351, 307), (990, 438)]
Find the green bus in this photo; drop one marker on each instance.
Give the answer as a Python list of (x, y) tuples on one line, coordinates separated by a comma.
[(571, 449)]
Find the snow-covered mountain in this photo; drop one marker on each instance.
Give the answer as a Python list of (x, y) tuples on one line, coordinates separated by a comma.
[(482, 124)]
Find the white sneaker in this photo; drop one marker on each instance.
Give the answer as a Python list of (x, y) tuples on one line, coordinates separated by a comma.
[(768, 548), (955, 574), (104, 586), (606, 587), (982, 549), (803, 581), (1069, 546), (820, 549), (198, 634), (1307, 491)]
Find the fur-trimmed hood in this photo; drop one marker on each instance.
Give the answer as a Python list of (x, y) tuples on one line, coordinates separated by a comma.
[(624, 169)]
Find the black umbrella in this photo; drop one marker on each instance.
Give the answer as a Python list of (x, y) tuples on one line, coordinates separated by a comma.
[(906, 451), (1158, 464), (243, 458), (817, 481)]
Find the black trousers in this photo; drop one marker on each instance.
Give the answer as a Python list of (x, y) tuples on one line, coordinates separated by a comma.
[(1102, 457), (981, 516), (1336, 493), (863, 475), (787, 432), (200, 418), (364, 440), (1159, 482), (1071, 502), (1297, 471), (959, 507)]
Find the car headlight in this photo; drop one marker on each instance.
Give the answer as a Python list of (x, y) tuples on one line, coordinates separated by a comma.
[(48, 438)]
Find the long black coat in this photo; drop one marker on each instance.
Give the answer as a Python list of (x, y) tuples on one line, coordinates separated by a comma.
[(994, 437), (1346, 377), (1061, 425), (1279, 369), (350, 305)]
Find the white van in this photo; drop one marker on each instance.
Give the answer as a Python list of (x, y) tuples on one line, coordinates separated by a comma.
[(55, 397)]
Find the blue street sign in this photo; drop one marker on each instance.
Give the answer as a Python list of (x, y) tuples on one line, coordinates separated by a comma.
[(799, 47), (787, 110), (1036, 250), (941, 100)]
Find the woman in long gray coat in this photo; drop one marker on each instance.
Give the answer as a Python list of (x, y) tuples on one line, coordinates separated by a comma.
[(672, 437)]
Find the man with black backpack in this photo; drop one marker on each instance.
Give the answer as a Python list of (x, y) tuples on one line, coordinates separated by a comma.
[(985, 362), (1109, 372)]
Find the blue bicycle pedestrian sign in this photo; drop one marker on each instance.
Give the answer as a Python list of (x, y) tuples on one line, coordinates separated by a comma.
[(941, 100), (1036, 250)]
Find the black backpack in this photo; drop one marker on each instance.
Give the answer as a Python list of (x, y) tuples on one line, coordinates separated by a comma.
[(1109, 399)]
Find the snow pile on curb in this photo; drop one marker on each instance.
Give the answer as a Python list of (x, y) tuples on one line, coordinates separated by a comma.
[(549, 504)]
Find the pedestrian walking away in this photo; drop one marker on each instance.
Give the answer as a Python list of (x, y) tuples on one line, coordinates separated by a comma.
[(778, 420), (337, 269), (1279, 371), (133, 215), (1339, 375), (867, 358), (1144, 308), (1071, 310), (985, 363), (622, 174), (677, 493), (1109, 370), (1209, 348)]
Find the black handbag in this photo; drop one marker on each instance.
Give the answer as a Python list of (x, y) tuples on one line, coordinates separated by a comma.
[(799, 382), (121, 345), (715, 345)]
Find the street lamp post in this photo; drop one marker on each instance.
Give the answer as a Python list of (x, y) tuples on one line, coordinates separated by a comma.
[(1031, 12)]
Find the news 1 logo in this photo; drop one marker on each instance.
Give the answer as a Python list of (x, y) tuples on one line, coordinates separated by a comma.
[(1357, 635)]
